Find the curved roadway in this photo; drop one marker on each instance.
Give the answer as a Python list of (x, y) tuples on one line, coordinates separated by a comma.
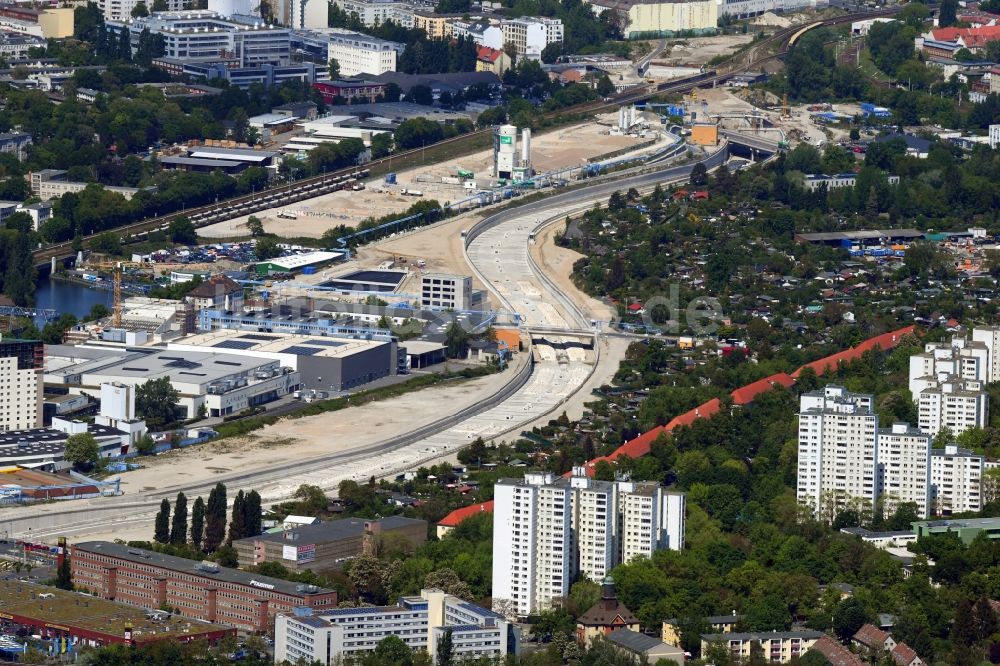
[(497, 250)]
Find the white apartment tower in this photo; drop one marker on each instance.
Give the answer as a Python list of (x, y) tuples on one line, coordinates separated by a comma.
[(990, 338), (952, 403), (961, 358), (21, 363), (549, 530), (956, 475), (838, 449), (904, 455)]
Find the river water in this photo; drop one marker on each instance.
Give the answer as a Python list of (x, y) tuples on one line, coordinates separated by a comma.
[(69, 297)]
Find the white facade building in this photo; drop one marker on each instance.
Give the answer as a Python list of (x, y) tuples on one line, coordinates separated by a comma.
[(954, 404), (904, 455), (355, 52), (202, 34), (420, 621), (376, 12), (956, 476), (549, 530), (838, 449), (20, 384), (959, 358), (480, 31), (990, 338), (530, 35), (121, 10)]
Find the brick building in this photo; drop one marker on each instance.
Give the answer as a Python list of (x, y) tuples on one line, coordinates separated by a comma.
[(202, 590)]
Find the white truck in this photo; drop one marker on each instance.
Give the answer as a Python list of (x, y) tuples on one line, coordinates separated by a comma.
[(411, 193)]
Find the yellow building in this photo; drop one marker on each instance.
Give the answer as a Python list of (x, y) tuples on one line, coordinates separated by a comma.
[(661, 18), (492, 60), (56, 23), (435, 25), (720, 624)]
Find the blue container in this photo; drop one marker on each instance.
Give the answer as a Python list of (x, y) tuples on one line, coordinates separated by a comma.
[(309, 270), (390, 179)]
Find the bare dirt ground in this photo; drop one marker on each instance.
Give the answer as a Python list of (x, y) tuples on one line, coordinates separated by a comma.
[(565, 147), (700, 50), (557, 262), (309, 437)]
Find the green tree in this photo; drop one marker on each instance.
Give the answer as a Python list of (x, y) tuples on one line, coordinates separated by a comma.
[(179, 526), (333, 67), (392, 650), (156, 402), (140, 10), (699, 175), (255, 226), (64, 578), (266, 248), (182, 231), (215, 518), (145, 445), (198, 522), (456, 341), (445, 649), (948, 13), (82, 450), (161, 527), (238, 525), (252, 513), (848, 617)]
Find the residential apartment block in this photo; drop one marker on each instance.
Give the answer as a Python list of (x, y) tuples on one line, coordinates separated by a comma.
[(777, 647), (990, 338), (549, 530), (15, 143), (201, 590), (956, 475), (121, 10), (420, 621), (530, 35), (376, 12), (904, 455), (838, 449), (959, 358), (954, 404), (21, 363)]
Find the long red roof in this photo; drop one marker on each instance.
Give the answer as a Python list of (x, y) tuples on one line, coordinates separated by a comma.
[(640, 446)]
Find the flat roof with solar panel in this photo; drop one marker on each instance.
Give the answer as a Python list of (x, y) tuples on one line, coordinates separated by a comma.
[(235, 341)]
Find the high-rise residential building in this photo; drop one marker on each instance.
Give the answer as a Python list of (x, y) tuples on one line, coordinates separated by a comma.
[(990, 338), (121, 10), (956, 476), (838, 449), (904, 455), (530, 34), (21, 363), (952, 403), (961, 358), (548, 530)]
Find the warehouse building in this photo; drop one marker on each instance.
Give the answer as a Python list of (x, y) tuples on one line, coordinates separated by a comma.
[(201, 590), (323, 363), (327, 545), (81, 620), (222, 383), (295, 263)]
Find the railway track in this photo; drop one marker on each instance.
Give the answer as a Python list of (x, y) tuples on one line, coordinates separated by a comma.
[(329, 182)]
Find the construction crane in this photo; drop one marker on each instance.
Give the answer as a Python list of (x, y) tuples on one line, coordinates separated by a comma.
[(117, 268)]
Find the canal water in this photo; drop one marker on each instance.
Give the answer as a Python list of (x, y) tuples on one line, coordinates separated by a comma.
[(69, 297)]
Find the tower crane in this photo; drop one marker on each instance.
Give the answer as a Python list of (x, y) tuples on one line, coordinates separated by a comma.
[(117, 268)]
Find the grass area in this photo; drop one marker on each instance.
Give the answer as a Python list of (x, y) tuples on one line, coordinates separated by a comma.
[(248, 425), (869, 69)]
